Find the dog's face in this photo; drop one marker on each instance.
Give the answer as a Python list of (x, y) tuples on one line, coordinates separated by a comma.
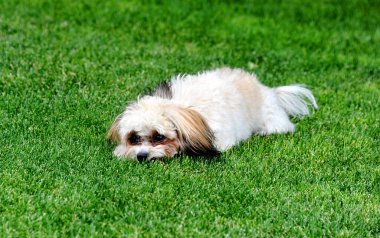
[(153, 128), (151, 144)]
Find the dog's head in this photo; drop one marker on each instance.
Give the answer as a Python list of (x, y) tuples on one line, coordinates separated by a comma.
[(153, 128)]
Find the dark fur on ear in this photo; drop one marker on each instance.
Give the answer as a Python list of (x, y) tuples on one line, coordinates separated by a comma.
[(196, 137), (113, 131), (163, 91)]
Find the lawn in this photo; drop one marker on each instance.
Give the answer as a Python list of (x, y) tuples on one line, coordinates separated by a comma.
[(67, 68)]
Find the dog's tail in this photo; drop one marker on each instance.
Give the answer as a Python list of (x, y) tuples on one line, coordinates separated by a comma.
[(295, 99)]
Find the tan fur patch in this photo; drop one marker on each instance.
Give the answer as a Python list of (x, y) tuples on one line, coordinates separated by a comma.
[(171, 147), (113, 132), (249, 87), (195, 135)]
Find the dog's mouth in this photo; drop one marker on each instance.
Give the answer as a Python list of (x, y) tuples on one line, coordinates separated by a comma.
[(147, 160)]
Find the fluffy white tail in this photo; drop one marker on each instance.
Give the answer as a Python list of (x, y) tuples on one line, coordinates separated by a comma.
[(295, 99)]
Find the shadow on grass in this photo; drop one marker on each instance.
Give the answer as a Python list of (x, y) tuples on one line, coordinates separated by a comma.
[(219, 158)]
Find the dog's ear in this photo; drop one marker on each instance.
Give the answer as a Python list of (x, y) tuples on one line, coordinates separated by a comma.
[(196, 137), (113, 132)]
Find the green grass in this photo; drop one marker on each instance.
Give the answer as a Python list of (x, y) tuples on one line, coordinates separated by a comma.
[(67, 68)]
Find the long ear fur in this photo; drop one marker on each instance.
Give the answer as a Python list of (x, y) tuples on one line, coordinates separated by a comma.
[(195, 135), (113, 132)]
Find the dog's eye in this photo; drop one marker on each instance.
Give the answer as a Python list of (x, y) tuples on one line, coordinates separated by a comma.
[(158, 138), (134, 139)]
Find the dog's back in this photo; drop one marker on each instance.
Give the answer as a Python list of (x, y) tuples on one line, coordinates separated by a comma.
[(236, 105)]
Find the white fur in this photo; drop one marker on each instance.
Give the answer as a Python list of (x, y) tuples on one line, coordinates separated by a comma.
[(232, 117), (233, 103)]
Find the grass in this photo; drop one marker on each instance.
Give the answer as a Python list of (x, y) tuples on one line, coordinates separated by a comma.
[(67, 68)]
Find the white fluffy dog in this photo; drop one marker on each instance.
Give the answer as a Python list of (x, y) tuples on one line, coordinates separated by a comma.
[(206, 113)]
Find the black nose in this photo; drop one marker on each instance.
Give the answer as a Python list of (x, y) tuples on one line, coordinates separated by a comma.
[(142, 156)]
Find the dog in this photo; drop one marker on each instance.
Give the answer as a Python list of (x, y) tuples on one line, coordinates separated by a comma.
[(205, 114)]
